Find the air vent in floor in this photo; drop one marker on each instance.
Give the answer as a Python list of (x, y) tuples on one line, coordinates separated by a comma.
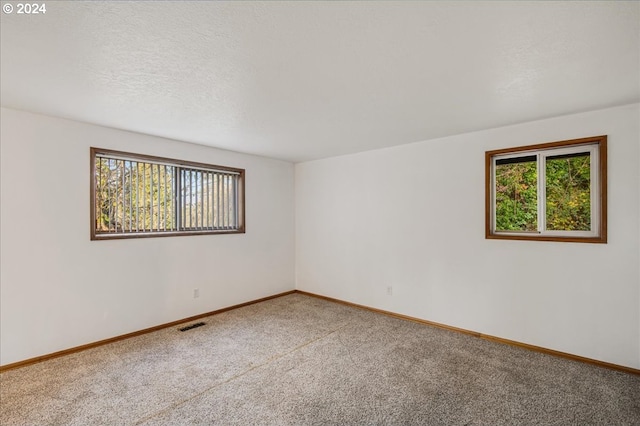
[(189, 327)]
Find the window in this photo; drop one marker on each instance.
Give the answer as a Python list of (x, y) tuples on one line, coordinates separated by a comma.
[(136, 195), (552, 192)]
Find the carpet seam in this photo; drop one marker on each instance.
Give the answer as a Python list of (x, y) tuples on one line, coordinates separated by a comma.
[(230, 379)]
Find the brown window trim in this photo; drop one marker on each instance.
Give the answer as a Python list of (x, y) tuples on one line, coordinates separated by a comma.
[(241, 229), (602, 190)]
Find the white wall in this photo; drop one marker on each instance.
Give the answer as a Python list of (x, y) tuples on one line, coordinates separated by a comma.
[(410, 217), (413, 217), (60, 290)]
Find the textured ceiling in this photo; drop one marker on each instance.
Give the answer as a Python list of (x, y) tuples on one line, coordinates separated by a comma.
[(306, 80)]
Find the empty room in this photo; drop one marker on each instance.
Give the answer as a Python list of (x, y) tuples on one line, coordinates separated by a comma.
[(320, 212)]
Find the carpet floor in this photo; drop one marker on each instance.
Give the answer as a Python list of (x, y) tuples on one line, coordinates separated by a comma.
[(300, 360)]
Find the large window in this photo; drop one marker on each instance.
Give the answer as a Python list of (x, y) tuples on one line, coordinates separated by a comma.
[(553, 192), (136, 195)]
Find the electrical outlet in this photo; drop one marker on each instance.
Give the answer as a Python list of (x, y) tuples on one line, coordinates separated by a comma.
[(196, 293), (389, 290)]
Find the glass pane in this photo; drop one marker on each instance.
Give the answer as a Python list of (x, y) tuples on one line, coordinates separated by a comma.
[(568, 185), (516, 194)]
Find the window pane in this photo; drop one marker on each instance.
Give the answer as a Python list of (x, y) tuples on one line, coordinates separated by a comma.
[(568, 182), (133, 196), (516, 194)]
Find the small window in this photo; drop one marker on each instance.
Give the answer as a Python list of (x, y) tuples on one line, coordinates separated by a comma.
[(552, 192), (135, 195)]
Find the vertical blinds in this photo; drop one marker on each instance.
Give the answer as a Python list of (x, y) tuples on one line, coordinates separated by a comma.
[(136, 196)]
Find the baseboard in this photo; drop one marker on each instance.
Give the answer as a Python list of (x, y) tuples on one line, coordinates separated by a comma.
[(481, 335), (81, 348)]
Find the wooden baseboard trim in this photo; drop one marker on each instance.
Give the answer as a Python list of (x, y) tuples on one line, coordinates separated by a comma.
[(81, 348), (481, 335)]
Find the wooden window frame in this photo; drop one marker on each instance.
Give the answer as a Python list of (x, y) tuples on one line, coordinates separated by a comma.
[(95, 235), (601, 191)]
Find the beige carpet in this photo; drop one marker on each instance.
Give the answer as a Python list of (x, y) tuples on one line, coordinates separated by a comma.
[(299, 360)]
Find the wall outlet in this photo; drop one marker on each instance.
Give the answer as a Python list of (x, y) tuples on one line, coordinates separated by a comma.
[(389, 290), (196, 293)]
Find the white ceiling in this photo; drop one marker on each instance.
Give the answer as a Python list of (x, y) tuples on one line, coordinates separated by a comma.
[(307, 80)]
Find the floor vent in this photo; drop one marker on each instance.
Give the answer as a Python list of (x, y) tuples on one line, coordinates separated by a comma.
[(189, 327)]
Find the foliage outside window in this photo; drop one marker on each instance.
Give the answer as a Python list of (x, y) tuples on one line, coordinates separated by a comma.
[(135, 195), (554, 191)]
